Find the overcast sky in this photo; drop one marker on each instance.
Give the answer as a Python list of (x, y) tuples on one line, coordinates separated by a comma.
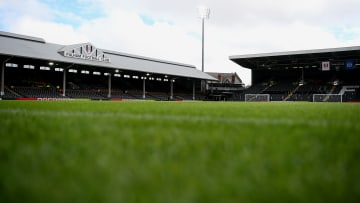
[(171, 30)]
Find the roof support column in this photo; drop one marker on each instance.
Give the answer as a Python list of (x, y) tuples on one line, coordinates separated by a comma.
[(109, 85), (302, 75), (64, 79), (2, 91), (64, 83), (193, 97), (171, 89), (144, 89)]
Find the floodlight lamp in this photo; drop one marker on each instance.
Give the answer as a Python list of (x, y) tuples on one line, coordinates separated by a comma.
[(51, 63), (204, 12)]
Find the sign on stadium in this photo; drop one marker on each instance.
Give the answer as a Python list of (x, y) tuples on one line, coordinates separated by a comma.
[(84, 51)]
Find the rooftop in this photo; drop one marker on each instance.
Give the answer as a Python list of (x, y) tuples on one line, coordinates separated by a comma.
[(21, 46)]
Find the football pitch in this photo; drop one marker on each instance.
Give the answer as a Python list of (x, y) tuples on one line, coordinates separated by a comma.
[(87, 151)]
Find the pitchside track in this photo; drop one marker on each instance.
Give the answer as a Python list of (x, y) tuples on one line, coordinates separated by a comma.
[(82, 151)]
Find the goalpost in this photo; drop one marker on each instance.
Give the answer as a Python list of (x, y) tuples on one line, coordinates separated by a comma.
[(327, 98), (257, 97)]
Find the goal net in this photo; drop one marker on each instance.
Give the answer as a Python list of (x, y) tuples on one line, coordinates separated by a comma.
[(257, 97), (327, 98)]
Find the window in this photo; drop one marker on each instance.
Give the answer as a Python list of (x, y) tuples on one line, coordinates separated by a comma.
[(106, 74), (117, 75), (72, 71), (59, 69), (85, 72), (126, 76), (11, 65), (135, 77), (29, 66), (96, 73), (44, 68)]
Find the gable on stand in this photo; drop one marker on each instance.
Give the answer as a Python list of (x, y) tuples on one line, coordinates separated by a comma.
[(85, 51), (227, 78)]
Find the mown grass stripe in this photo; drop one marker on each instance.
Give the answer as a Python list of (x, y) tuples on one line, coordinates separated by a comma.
[(183, 118)]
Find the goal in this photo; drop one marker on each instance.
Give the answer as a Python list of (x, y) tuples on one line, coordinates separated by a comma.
[(327, 98), (257, 97)]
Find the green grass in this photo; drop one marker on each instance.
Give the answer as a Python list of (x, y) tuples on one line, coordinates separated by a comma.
[(83, 151)]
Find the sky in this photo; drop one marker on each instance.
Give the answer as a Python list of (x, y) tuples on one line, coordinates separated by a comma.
[(171, 30)]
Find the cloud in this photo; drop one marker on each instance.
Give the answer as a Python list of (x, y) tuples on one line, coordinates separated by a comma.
[(126, 31), (147, 20), (50, 31), (11, 11)]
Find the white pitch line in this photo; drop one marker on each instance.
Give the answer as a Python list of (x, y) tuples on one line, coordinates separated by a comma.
[(183, 118)]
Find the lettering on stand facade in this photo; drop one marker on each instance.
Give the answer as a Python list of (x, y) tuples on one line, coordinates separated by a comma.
[(86, 52)]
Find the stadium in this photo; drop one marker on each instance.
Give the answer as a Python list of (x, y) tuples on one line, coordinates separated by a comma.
[(131, 146), (312, 75), (39, 70), (34, 69)]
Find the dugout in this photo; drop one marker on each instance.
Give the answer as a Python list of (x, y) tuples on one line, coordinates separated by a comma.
[(298, 75), (84, 66)]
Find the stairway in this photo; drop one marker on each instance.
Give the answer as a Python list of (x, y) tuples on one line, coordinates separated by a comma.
[(13, 92), (292, 93), (330, 92)]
